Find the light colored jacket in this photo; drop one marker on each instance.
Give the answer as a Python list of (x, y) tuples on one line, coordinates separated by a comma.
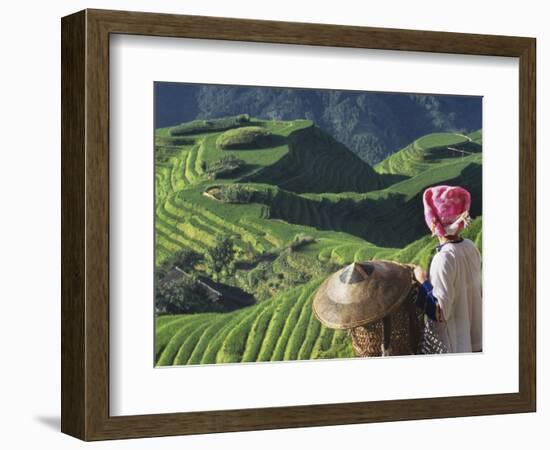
[(455, 274)]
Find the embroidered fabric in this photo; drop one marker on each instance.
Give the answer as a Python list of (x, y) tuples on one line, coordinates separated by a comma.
[(430, 343)]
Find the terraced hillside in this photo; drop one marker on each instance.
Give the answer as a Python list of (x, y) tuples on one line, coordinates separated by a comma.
[(283, 328), (316, 162), (422, 153), (303, 187)]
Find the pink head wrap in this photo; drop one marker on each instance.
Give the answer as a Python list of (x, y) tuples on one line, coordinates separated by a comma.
[(446, 209)]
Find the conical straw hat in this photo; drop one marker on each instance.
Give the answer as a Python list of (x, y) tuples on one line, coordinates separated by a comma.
[(362, 293)]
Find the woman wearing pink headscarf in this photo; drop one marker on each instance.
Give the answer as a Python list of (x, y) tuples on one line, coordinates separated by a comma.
[(451, 295)]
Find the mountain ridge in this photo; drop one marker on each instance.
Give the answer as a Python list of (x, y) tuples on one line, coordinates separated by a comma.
[(372, 124)]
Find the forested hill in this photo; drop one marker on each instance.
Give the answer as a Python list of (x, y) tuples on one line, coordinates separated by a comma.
[(373, 125)]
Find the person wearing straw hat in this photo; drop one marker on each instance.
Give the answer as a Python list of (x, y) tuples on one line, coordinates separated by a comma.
[(451, 295)]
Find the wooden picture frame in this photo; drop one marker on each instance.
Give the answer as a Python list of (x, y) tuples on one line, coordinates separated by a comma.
[(85, 224)]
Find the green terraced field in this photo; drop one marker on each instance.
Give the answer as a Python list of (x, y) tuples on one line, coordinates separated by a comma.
[(422, 154), (282, 328), (305, 184)]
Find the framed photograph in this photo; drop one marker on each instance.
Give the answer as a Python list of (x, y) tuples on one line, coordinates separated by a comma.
[(273, 225)]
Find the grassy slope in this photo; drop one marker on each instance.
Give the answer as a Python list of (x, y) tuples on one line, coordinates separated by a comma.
[(387, 217), (283, 328), (426, 151), (316, 162), (187, 219)]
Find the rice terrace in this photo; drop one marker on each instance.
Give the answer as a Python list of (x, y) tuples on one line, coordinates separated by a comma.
[(252, 213)]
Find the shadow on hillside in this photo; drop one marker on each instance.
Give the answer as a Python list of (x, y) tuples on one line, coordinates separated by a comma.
[(228, 297), (393, 220), (231, 297), (316, 162)]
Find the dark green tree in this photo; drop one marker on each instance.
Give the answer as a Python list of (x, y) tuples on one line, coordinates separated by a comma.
[(221, 257), (186, 259)]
